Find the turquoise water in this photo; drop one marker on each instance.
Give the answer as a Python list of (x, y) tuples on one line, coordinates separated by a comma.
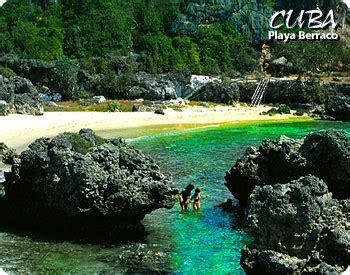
[(208, 242)]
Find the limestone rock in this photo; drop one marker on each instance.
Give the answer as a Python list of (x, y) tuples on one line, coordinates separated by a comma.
[(84, 184), (338, 106), (324, 154), (298, 228)]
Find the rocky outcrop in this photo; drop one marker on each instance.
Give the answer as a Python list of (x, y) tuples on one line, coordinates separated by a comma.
[(248, 17), (298, 228), (218, 92), (309, 94), (83, 184), (155, 107), (287, 91), (324, 154), (59, 76), (338, 106), (280, 67), (7, 155), (151, 87), (18, 95)]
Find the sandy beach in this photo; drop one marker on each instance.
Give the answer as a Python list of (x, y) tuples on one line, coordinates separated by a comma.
[(18, 131)]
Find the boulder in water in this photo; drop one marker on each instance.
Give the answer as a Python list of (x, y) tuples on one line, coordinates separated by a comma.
[(298, 228), (84, 184), (338, 106), (324, 154)]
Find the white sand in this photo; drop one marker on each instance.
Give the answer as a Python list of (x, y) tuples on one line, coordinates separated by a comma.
[(18, 131)]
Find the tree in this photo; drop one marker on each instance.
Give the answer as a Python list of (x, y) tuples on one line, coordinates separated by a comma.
[(158, 53), (222, 49), (95, 28), (188, 55), (29, 31)]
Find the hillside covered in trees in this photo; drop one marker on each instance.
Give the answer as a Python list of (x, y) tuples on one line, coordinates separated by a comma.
[(203, 37)]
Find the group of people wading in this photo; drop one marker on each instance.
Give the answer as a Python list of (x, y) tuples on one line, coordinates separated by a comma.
[(186, 198)]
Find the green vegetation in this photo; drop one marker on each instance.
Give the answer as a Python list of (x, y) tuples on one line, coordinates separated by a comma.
[(96, 33), (282, 109), (314, 56), (89, 31), (30, 31), (108, 106), (81, 145), (7, 72)]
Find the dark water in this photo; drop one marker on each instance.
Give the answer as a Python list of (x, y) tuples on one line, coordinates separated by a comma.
[(205, 242)]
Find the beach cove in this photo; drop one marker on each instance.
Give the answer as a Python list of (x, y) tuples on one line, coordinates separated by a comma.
[(17, 131)]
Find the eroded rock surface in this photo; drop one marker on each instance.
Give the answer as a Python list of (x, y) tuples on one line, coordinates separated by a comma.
[(325, 154), (18, 95), (298, 228), (338, 106), (82, 183), (7, 155)]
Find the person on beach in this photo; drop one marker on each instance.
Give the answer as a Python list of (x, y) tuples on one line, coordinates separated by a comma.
[(185, 197)]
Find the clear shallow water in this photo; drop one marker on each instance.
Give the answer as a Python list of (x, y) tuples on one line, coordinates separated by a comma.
[(205, 242)]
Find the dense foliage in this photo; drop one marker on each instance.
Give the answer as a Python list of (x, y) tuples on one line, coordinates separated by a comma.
[(85, 29), (92, 30)]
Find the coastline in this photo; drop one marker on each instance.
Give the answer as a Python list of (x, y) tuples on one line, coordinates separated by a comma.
[(18, 131)]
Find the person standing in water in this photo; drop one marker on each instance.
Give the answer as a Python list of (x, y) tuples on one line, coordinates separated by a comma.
[(185, 197), (196, 198)]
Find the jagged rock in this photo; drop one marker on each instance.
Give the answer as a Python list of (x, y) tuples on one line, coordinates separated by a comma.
[(48, 96), (151, 87), (59, 76), (328, 157), (338, 106), (298, 228), (20, 97), (146, 261), (83, 184), (218, 92), (248, 17), (4, 108), (324, 154), (7, 155), (148, 108)]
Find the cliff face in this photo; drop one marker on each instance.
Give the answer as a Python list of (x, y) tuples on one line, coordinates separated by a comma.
[(249, 17)]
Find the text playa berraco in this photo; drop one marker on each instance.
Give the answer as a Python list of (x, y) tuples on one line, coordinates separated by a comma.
[(312, 20)]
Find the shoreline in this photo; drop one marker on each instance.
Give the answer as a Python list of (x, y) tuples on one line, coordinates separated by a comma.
[(18, 131)]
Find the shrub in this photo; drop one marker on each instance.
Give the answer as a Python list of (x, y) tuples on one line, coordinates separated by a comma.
[(282, 109), (81, 145), (7, 72), (113, 106)]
